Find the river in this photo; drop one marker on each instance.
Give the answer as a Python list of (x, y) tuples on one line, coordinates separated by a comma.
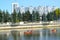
[(44, 34)]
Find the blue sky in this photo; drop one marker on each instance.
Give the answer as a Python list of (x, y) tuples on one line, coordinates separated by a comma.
[(6, 4)]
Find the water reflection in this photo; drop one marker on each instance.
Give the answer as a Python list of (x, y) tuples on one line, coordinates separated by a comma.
[(15, 34), (43, 34), (3, 37)]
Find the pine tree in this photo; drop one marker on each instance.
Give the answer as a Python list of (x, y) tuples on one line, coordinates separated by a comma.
[(3, 16), (37, 16), (44, 17), (7, 16), (0, 16), (33, 16), (19, 16), (14, 16), (27, 16)]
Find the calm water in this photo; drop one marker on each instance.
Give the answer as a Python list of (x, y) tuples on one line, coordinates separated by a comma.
[(44, 34)]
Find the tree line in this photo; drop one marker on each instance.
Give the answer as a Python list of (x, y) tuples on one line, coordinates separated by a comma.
[(14, 17)]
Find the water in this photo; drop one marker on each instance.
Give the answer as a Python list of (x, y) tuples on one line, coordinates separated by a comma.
[(44, 34)]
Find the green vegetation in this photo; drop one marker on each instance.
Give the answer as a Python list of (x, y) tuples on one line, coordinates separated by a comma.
[(54, 15), (15, 17)]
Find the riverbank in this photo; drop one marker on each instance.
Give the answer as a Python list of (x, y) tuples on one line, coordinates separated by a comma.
[(28, 27)]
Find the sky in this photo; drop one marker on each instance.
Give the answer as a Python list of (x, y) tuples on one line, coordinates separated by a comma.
[(7, 4)]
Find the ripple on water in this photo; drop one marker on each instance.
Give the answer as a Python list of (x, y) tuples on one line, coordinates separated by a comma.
[(37, 35)]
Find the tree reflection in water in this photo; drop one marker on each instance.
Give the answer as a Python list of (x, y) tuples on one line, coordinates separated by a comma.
[(16, 35), (44, 34), (3, 37)]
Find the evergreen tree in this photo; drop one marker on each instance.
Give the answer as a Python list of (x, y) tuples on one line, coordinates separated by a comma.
[(37, 16), (44, 18), (19, 16), (7, 16), (0, 16), (27, 16), (50, 16), (14, 16), (23, 16), (30, 18), (3, 16), (33, 16), (54, 16)]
